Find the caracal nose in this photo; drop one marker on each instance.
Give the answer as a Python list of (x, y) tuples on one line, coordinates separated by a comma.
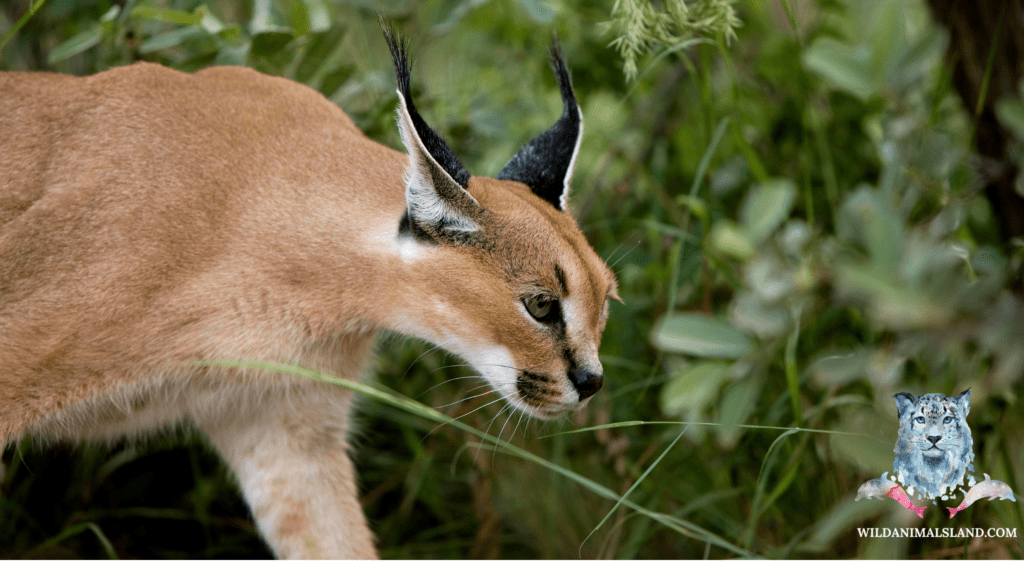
[(586, 382)]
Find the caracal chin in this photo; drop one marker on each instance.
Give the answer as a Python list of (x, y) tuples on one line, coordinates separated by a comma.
[(152, 221)]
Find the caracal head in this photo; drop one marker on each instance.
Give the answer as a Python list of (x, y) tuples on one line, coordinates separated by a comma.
[(510, 282)]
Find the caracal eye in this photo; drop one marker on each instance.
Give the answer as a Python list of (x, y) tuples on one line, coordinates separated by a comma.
[(541, 308)]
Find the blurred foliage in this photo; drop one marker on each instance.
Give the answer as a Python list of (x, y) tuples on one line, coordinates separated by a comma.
[(798, 232)]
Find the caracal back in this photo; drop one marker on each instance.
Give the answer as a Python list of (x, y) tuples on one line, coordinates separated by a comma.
[(151, 221)]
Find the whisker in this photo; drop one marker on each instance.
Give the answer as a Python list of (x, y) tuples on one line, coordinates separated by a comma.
[(465, 399), (446, 381), (429, 350), (518, 422), (463, 416), (500, 432), (488, 430), (626, 253), (620, 245)]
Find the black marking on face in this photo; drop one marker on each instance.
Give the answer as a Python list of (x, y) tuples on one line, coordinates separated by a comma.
[(532, 387), (409, 228), (560, 276)]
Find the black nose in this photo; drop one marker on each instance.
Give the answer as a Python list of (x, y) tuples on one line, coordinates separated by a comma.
[(934, 439), (585, 382)]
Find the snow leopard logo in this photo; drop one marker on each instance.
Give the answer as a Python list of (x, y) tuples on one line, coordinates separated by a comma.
[(934, 448)]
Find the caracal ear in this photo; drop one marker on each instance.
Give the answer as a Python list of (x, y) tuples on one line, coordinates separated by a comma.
[(435, 192), (546, 163)]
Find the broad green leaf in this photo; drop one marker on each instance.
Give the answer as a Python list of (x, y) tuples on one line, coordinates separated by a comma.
[(233, 55), (693, 388), (299, 19), (748, 313), (1011, 114), (111, 15), (846, 67), (729, 239), (268, 44), (168, 39), (918, 59), (170, 16), (887, 39), (211, 23), (318, 16), (766, 207), (879, 226), (895, 306), (836, 368), (76, 45), (699, 335), (265, 20), (738, 403)]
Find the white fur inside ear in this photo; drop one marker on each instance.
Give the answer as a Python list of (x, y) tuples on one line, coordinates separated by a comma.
[(425, 204), (563, 200)]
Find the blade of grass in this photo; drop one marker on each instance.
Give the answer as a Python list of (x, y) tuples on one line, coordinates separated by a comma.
[(74, 531), (678, 422), (792, 377), (633, 487), (391, 398), (21, 22), (762, 480)]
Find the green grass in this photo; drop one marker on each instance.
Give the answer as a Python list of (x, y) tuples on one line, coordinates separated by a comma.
[(797, 231)]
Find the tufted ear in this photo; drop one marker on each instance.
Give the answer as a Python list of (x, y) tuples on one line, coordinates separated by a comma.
[(904, 400), (435, 193), (546, 163), (963, 402)]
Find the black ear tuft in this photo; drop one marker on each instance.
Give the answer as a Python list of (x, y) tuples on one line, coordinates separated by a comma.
[(545, 164), (435, 146)]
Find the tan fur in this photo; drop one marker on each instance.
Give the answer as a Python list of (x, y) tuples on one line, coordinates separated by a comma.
[(151, 218)]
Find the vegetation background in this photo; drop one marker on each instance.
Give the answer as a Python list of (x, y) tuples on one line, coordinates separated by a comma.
[(789, 193)]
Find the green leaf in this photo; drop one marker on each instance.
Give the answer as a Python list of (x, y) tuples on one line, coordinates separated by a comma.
[(269, 44), (1011, 114), (233, 55), (693, 388), (318, 17), (766, 207), (738, 403), (211, 23), (837, 368), (699, 335), (166, 15), (749, 313), (299, 19), (76, 45), (168, 39), (894, 306), (846, 67), (886, 39), (728, 238), (879, 226), (265, 20)]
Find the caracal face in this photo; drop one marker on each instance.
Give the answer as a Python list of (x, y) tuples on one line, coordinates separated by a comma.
[(524, 298)]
